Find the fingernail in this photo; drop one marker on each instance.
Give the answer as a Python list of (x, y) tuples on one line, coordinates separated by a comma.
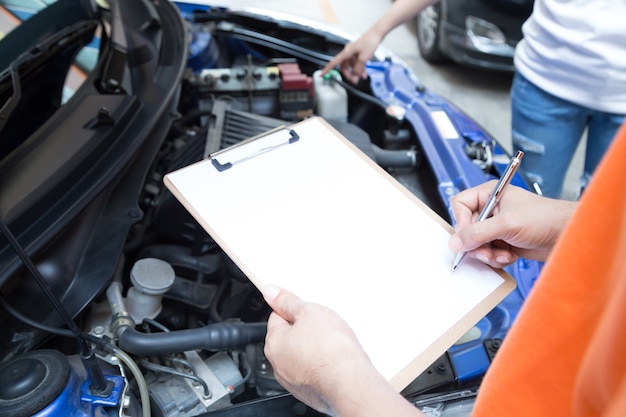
[(455, 244), (482, 258), (270, 291), (502, 259)]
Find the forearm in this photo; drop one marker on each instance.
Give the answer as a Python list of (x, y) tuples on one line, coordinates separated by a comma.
[(399, 12), (382, 404), (561, 213), (368, 394)]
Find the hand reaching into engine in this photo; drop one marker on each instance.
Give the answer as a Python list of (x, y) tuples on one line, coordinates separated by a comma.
[(317, 357), (351, 60)]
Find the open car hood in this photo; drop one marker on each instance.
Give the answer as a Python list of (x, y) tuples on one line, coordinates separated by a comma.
[(58, 158)]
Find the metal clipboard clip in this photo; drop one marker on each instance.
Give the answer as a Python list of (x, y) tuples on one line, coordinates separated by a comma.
[(293, 137)]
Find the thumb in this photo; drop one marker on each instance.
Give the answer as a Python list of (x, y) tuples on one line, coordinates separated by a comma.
[(270, 292), (284, 303)]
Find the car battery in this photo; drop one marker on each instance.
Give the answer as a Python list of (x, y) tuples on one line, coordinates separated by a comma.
[(296, 96), (281, 91)]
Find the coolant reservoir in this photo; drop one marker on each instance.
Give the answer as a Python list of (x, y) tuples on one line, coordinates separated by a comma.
[(331, 99), (151, 279)]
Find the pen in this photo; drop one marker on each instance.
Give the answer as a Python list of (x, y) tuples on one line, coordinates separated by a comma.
[(495, 196)]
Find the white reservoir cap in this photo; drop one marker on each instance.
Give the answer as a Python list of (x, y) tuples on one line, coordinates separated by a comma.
[(152, 276), (151, 279)]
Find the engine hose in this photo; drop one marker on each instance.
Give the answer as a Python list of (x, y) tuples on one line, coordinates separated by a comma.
[(181, 256), (355, 91), (217, 336), (395, 158)]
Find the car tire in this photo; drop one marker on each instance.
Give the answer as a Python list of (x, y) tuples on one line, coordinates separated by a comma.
[(428, 27)]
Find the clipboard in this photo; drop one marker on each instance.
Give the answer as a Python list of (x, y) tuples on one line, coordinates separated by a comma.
[(303, 208)]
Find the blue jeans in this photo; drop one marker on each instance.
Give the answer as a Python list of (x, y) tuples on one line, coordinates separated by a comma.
[(549, 129)]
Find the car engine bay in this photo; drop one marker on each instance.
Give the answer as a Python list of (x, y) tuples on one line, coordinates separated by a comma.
[(165, 322)]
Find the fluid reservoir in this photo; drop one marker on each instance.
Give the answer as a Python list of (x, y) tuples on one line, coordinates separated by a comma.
[(331, 99), (151, 279)]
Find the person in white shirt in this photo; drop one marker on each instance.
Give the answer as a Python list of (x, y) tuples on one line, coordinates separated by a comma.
[(570, 79)]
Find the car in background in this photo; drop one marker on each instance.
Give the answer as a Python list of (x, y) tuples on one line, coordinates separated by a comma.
[(476, 33), (113, 299)]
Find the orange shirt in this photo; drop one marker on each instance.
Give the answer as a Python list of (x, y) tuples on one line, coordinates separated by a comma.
[(566, 353)]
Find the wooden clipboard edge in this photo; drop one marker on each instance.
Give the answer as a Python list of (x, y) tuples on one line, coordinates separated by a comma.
[(451, 336), (403, 378)]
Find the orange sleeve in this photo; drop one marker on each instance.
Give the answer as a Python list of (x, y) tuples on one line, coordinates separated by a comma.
[(565, 355)]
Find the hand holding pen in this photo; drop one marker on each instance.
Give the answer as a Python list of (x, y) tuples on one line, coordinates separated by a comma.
[(525, 225), (495, 196)]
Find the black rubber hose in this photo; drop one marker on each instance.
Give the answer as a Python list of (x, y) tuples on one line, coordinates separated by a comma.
[(395, 158), (215, 337), (355, 91), (182, 256)]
